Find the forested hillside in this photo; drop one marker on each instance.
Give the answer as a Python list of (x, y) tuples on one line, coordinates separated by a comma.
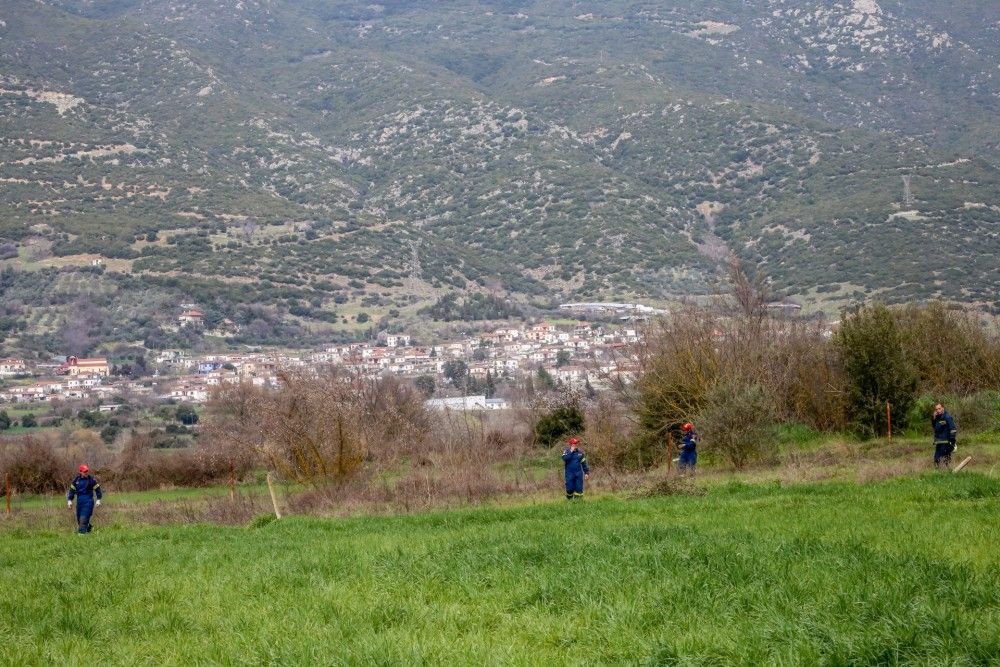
[(298, 167)]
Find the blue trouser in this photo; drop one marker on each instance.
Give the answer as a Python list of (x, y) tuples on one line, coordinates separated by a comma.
[(84, 510), (574, 485), (942, 453), (688, 459)]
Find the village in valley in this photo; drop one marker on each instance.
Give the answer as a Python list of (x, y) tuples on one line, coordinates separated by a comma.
[(574, 356)]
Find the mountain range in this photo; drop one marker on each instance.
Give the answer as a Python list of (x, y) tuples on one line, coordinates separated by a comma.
[(301, 169)]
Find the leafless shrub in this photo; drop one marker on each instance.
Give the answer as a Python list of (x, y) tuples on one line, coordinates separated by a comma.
[(34, 465), (140, 467), (82, 446), (161, 513), (465, 458), (361, 442), (736, 421), (299, 430), (797, 473), (804, 375), (679, 361), (953, 350), (690, 359), (235, 511), (393, 412), (609, 437)]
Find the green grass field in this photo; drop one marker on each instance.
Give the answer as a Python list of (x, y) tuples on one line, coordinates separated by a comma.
[(837, 573)]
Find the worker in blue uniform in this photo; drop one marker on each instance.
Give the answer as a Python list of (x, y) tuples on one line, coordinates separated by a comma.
[(84, 488), (945, 433), (689, 448), (576, 469)]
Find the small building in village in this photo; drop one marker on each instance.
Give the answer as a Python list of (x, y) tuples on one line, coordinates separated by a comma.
[(84, 366), (466, 403), (10, 367), (191, 318)]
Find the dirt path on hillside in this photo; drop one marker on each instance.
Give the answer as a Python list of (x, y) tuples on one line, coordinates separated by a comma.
[(712, 244)]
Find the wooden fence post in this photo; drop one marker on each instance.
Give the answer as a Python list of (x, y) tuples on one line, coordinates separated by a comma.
[(7, 491), (964, 463), (274, 497), (888, 418), (670, 451)]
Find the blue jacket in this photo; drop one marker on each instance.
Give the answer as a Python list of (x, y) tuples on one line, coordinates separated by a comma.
[(944, 428), (84, 488), (690, 442), (575, 462)]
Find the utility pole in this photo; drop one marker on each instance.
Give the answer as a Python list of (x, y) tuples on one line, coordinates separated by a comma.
[(907, 193)]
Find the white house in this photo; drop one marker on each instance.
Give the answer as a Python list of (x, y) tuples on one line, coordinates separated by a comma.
[(9, 367), (457, 403), (397, 340), (571, 375)]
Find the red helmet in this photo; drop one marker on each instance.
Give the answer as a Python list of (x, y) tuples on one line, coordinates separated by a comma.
[(574, 441), (688, 426), (84, 469)]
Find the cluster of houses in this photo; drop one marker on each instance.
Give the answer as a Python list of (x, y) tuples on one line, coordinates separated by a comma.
[(575, 356), (73, 379)]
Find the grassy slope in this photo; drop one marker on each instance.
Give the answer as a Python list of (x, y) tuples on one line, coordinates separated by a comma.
[(835, 573)]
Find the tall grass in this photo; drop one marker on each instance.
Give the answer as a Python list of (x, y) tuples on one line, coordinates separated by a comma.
[(901, 572)]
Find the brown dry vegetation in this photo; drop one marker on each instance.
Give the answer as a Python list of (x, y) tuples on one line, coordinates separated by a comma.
[(46, 463), (737, 371), (440, 482), (342, 443)]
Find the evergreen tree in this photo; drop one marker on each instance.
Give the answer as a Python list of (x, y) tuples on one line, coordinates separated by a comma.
[(562, 421), (545, 379), (425, 384), (877, 368)]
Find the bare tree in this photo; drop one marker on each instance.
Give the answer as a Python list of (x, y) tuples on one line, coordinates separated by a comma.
[(316, 428)]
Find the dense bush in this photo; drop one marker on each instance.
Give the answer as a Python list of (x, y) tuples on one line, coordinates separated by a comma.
[(877, 368), (110, 432), (951, 350), (34, 466), (974, 412), (879, 354), (560, 422), (475, 306), (737, 421), (186, 414), (139, 467)]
